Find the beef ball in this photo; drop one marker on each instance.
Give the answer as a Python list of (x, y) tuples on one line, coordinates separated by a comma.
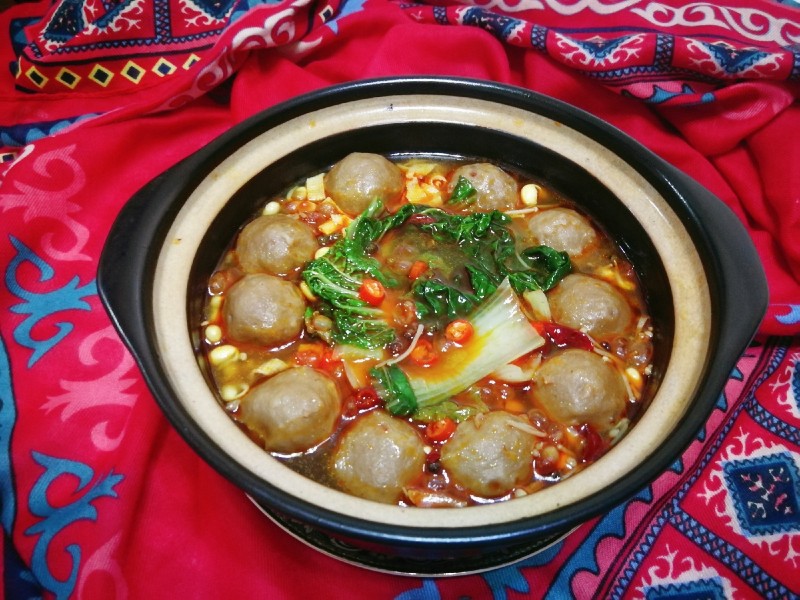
[(293, 411), (590, 304), (263, 309), (275, 244), (564, 230), (579, 386), (496, 189), (378, 456), (490, 455), (359, 178)]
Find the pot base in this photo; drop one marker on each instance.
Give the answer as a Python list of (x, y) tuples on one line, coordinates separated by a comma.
[(375, 560)]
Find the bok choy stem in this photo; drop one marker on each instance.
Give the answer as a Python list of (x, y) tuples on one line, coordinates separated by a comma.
[(502, 333)]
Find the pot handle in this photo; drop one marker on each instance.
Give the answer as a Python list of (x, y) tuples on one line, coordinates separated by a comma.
[(734, 267), (128, 257)]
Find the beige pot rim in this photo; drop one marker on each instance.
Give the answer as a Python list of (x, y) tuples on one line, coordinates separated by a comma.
[(684, 269)]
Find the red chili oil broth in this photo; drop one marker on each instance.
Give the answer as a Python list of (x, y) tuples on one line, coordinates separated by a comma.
[(397, 253)]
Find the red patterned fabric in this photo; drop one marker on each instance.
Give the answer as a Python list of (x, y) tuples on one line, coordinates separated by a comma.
[(100, 498)]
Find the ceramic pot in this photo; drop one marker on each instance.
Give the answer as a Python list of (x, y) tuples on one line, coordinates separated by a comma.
[(702, 279)]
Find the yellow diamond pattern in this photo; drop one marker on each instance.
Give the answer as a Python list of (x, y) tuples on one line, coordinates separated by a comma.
[(101, 76), (36, 77), (132, 72), (191, 61), (68, 78), (163, 67)]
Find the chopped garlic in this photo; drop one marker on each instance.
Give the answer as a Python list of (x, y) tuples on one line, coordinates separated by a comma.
[(416, 169), (315, 188), (336, 223), (271, 367)]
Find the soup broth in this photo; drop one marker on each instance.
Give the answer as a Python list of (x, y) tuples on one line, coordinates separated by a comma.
[(427, 332)]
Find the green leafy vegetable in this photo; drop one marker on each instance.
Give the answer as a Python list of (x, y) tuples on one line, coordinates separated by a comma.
[(484, 238), (435, 299), (487, 242), (501, 330), (499, 324), (463, 192), (444, 409), (393, 387), (546, 267), (336, 278)]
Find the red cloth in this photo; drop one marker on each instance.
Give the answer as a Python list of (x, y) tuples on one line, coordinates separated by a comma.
[(100, 498)]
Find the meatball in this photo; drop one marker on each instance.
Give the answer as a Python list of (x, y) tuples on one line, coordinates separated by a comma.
[(292, 411), (577, 387), (564, 230), (496, 189), (263, 309), (378, 456), (491, 454), (359, 178), (275, 244), (590, 304)]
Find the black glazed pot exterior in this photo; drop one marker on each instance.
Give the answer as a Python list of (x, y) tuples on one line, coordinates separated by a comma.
[(402, 559), (128, 264)]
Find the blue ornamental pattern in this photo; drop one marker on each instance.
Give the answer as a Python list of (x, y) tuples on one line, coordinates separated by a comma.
[(8, 418), (40, 306), (18, 581), (672, 515), (583, 559), (792, 315), (602, 50), (348, 7), (216, 8), (706, 589), (498, 25), (55, 519), (67, 22), (733, 61), (764, 491), (17, 136)]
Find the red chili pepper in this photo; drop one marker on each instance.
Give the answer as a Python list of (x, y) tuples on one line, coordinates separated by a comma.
[(594, 445), (544, 468), (328, 361), (563, 336), (423, 353), (459, 331), (417, 269), (372, 292), (365, 398), (439, 431)]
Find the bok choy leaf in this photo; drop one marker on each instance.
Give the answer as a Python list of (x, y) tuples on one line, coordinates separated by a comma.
[(337, 276)]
